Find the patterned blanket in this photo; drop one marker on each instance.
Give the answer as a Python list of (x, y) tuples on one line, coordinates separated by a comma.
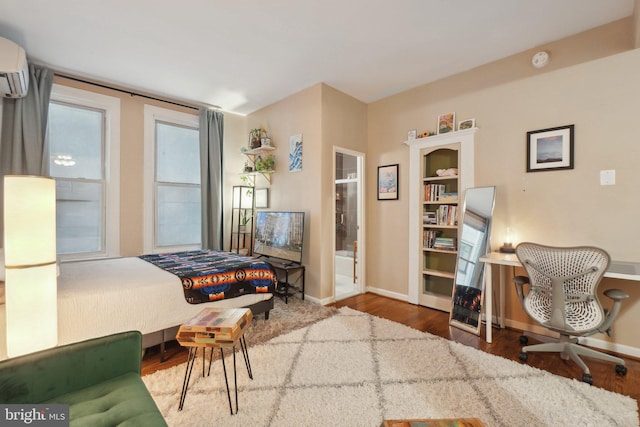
[(208, 275)]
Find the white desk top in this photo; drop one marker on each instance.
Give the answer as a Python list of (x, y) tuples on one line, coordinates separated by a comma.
[(617, 269)]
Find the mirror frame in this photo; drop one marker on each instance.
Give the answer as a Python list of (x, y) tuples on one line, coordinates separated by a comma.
[(487, 240)]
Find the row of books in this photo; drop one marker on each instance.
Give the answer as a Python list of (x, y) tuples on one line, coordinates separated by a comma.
[(444, 215), (445, 243), (447, 215), (438, 193), (432, 239)]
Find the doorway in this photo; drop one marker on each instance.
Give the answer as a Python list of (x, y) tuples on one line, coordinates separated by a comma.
[(348, 229)]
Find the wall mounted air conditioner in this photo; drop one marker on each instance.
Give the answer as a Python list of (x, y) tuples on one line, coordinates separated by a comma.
[(14, 72)]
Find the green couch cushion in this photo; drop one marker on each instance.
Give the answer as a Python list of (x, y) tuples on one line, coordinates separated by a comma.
[(121, 401), (42, 376)]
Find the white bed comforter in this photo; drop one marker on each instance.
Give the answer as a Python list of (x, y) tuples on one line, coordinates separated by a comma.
[(102, 297)]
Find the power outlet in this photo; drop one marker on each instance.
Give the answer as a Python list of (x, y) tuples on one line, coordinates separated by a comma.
[(608, 177)]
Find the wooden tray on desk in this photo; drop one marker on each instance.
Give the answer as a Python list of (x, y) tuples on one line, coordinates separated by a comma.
[(213, 327)]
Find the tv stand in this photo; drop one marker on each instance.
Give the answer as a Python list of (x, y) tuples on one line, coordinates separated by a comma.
[(286, 288)]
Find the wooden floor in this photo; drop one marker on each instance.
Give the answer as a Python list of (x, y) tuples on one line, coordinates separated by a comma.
[(505, 343)]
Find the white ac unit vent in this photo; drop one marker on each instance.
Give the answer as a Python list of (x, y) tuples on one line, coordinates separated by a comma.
[(14, 71)]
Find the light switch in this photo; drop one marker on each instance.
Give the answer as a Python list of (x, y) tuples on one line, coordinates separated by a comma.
[(608, 177)]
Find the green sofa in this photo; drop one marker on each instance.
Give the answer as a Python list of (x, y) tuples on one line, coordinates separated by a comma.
[(99, 379)]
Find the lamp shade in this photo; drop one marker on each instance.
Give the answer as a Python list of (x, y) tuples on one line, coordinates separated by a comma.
[(30, 262)]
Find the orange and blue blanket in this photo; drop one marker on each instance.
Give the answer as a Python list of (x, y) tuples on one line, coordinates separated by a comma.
[(208, 275)]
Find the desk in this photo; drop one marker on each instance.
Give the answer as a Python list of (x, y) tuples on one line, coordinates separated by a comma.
[(617, 270)]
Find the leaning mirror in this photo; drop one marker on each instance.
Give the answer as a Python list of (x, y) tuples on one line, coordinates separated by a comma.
[(474, 241)]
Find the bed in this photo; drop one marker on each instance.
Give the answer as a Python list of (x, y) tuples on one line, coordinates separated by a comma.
[(102, 297)]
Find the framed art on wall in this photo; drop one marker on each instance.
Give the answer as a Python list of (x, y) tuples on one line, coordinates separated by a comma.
[(262, 198), (466, 124), (295, 153), (446, 123), (550, 149), (388, 182)]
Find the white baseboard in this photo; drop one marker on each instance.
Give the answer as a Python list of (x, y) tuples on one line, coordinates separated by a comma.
[(384, 292), (323, 301)]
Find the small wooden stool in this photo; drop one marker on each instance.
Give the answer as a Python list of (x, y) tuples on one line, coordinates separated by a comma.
[(215, 328)]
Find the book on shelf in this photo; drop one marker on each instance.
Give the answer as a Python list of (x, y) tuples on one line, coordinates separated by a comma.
[(447, 215), (429, 218), (451, 197), (429, 237), (432, 192), (445, 243), (439, 193)]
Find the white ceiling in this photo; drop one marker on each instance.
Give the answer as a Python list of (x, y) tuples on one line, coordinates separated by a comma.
[(242, 55)]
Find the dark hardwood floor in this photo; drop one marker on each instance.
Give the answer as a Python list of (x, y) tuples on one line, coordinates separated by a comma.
[(505, 344)]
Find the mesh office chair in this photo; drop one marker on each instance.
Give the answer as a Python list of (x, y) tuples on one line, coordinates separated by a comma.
[(562, 297)]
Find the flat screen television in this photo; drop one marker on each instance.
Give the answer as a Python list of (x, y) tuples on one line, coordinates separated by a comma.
[(279, 235)]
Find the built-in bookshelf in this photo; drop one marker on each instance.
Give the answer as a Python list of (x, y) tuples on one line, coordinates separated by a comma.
[(440, 169), (440, 207)]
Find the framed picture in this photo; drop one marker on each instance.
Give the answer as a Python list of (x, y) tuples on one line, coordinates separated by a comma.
[(388, 182), (550, 149), (466, 124), (411, 135), (446, 123), (262, 197), (295, 153)]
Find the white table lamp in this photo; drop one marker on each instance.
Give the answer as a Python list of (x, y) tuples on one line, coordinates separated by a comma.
[(30, 259)]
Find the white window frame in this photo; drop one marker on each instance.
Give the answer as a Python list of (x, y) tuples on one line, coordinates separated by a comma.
[(153, 114), (111, 107)]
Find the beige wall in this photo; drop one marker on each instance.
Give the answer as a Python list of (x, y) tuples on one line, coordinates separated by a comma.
[(344, 125), (325, 117), (601, 97), (296, 191)]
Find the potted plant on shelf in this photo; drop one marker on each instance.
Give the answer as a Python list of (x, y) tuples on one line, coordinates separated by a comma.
[(245, 217), (255, 138), (266, 164), (269, 162)]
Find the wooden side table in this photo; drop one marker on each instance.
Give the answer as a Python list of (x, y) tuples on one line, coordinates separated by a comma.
[(215, 328)]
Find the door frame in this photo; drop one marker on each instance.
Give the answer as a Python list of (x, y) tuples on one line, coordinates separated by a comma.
[(360, 235)]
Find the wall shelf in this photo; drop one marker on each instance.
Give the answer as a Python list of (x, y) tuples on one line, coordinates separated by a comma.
[(252, 155)]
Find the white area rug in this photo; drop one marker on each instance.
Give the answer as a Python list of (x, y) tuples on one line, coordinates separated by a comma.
[(354, 369)]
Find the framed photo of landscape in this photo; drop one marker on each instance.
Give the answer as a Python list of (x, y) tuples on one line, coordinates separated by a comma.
[(550, 149)]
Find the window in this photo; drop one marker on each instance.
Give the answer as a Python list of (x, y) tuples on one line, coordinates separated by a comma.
[(84, 140), (172, 181)]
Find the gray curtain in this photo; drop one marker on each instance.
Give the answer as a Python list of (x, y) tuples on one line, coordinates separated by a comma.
[(23, 149), (211, 131), (23, 146)]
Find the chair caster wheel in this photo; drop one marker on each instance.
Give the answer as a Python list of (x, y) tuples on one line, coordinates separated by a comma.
[(523, 356), (587, 378), (621, 369), (524, 340)]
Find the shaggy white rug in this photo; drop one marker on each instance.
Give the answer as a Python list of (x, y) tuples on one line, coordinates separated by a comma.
[(354, 369)]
